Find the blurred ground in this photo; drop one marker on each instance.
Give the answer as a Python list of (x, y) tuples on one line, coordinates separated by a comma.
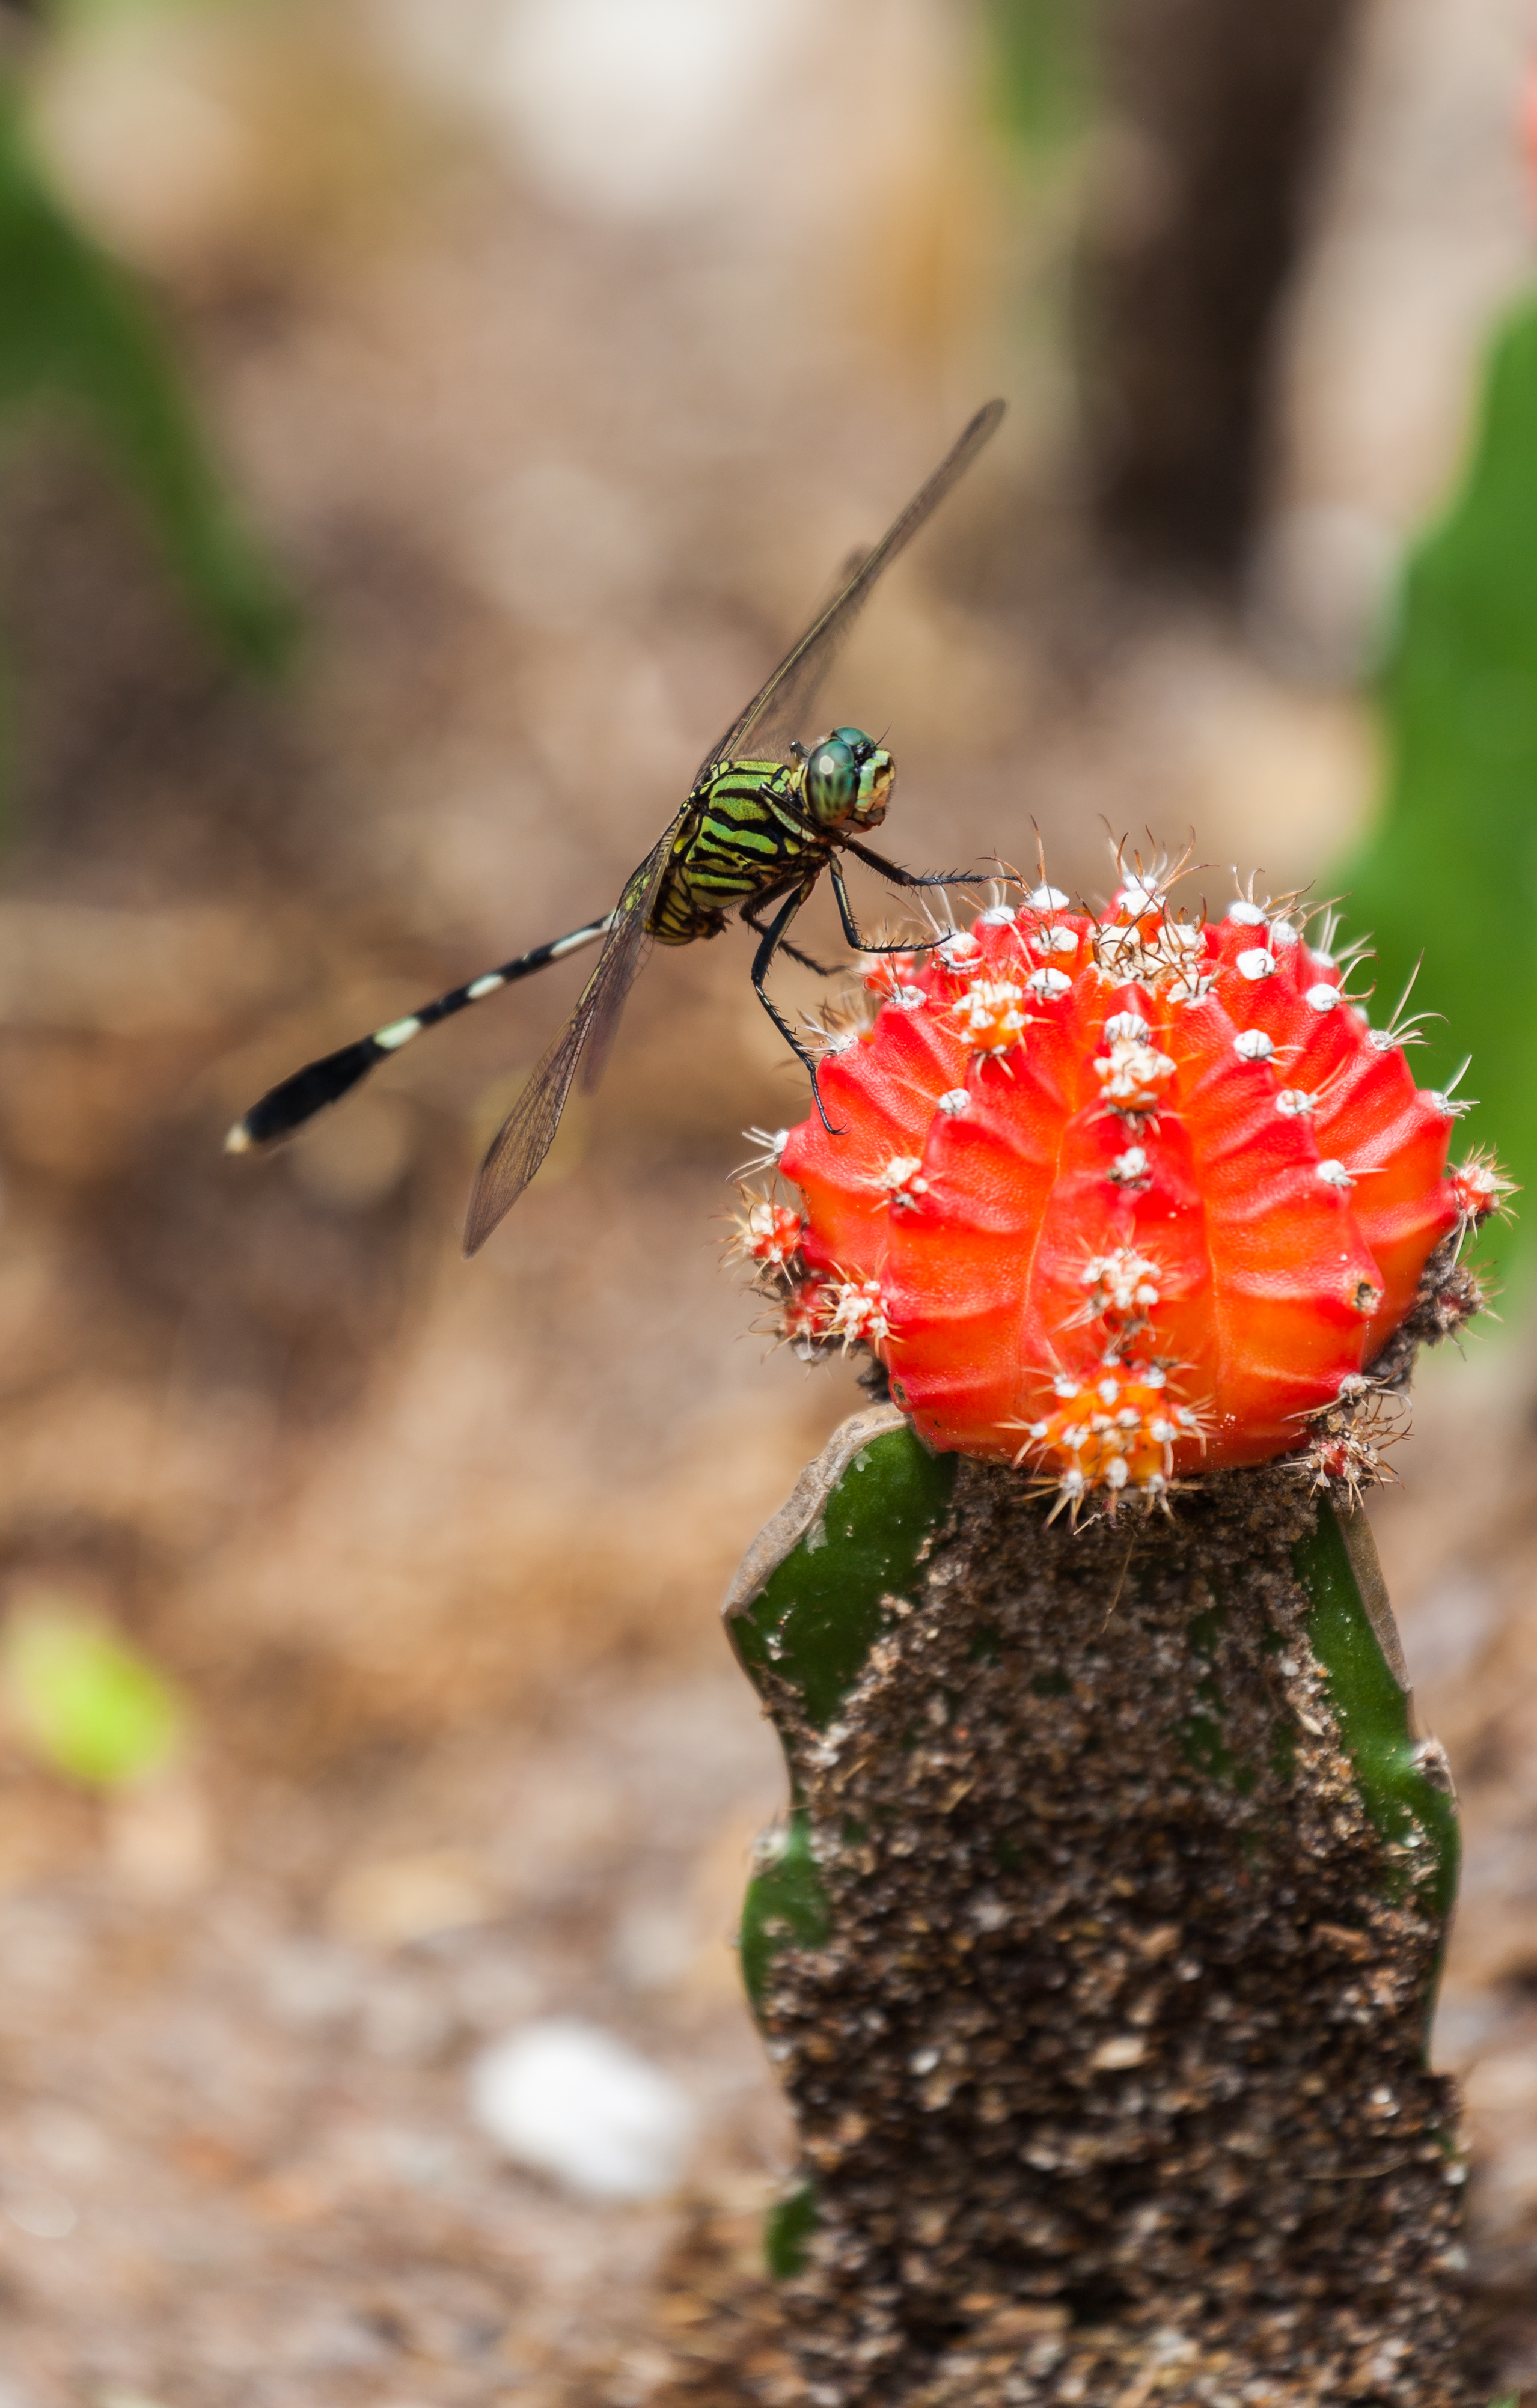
[(561, 417)]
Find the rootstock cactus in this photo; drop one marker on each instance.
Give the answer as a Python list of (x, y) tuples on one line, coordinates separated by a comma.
[(1119, 1197)]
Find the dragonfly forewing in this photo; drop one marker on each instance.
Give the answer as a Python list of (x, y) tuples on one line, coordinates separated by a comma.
[(779, 710)]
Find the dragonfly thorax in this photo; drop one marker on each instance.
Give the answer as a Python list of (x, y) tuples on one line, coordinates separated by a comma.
[(847, 780)]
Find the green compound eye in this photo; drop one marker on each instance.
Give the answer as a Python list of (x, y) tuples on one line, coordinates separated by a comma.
[(832, 780)]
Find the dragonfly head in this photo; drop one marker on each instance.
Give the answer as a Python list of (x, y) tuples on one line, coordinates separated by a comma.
[(848, 779)]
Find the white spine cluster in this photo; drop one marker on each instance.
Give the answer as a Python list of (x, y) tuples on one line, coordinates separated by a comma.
[(1132, 1075)]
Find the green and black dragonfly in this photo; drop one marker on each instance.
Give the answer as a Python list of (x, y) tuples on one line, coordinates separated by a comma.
[(764, 819)]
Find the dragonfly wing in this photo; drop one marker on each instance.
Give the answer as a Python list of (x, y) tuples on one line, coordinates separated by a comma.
[(628, 945), (524, 1137), (779, 710)]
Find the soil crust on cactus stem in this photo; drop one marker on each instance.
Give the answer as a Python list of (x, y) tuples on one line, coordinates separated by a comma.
[(1111, 2078)]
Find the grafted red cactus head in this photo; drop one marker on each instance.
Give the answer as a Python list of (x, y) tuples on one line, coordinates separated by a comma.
[(1116, 1197)]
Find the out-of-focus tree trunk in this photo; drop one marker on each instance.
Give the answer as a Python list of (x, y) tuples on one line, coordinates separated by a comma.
[(1212, 111)]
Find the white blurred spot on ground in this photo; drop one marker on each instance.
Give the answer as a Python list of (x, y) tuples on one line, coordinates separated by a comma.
[(45, 2214), (569, 2100), (634, 107)]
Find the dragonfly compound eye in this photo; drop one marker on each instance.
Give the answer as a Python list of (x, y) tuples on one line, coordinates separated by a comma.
[(832, 781), (859, 744)]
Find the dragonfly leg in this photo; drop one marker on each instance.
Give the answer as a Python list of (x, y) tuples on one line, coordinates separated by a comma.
[(772, 942), (808, 961), (900, 877), (851, 927), (295, 1099), (747, 915)]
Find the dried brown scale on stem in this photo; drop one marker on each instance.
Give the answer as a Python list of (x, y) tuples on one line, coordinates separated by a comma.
[(1110, 2076), (1448, 1296), (1347, 1439)]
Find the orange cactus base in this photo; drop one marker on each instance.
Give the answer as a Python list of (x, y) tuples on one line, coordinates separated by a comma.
[(1115, 1197)]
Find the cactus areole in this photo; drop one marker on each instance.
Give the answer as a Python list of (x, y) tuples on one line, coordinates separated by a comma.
[(1117, 1198)]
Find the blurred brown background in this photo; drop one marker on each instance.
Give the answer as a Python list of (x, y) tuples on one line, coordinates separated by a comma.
[(559, 349)]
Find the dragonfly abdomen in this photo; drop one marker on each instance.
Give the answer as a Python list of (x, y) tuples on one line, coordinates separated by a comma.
[(740, 838)]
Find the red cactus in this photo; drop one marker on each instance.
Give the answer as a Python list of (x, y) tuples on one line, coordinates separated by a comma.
[(768, 1232), (1115, 1198)]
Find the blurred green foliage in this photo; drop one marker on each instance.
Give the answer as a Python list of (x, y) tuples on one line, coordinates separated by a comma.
[(81, 1700), (1450, 871), (1042, 57), (79, 341)]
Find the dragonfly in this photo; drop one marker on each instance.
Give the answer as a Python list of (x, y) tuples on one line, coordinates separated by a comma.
[(765, 818)]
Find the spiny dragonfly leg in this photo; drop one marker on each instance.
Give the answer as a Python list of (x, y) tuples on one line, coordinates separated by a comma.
[(863, 944), (747, 915), (900, 877), (808, 961), (287, 1106), (772, 939)]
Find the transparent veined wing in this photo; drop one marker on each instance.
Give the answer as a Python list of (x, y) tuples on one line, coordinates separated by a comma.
[(524, 1137), (780, 708)]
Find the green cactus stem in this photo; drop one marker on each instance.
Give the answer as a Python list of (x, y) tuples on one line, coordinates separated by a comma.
[(1097, 1953), (1459, 701)]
